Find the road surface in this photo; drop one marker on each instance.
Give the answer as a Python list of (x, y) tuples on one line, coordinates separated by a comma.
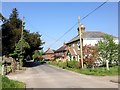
[(46, 76)]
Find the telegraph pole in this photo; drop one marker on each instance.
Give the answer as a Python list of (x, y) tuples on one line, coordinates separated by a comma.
[(22, 28), (22, 33), (20, 62), (81, 44)]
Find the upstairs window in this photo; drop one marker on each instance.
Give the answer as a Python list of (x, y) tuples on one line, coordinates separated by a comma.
[(78, 44)]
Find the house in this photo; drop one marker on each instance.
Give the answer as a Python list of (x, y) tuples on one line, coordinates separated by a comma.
[(60, 54), (88, 38), (49, 54)]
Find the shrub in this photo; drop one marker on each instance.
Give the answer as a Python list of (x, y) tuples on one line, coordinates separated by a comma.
[(73, 64)]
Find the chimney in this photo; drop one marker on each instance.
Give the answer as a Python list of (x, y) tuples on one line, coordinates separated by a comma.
[(64, 44)]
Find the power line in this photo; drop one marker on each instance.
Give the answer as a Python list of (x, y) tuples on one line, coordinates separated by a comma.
[(81, 20), (39, 31), (64, 34), (94, 10)]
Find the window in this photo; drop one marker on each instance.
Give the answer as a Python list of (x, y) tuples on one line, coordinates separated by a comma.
[(78, 44), (73, 45)]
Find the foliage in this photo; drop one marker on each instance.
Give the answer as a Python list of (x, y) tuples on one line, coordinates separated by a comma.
[(108, 49), (34, 41), (15, 45), (11, 32), (38, 54), (67, 64), (100, 71), (20, 50), (90, 54), (73, 64), (7, 83)]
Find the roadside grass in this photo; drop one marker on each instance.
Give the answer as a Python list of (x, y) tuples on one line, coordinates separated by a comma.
[(11, 84), (99, 71), (0, 67)]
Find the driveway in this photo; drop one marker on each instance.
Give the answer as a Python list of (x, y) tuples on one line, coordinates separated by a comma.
[(46, 76)]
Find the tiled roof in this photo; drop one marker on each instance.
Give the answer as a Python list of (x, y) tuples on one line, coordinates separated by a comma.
[(49, 51), (89, 34), (63, 48)]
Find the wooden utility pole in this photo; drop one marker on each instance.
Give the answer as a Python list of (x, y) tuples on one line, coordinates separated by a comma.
[(81, 45), (22, 28), (20, 62)]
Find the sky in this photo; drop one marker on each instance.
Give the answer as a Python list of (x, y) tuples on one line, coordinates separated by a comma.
[(53, 19)]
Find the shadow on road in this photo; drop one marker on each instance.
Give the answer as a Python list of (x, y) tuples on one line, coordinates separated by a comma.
[(33, 64)]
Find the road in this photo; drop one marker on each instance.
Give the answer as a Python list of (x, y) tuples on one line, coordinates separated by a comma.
[(46, 76)]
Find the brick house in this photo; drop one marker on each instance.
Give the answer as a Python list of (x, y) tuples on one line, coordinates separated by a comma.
[(88, 38), (49, 54), (60, 53)]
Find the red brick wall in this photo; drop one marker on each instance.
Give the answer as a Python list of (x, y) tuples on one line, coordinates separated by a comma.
[(49, 56)]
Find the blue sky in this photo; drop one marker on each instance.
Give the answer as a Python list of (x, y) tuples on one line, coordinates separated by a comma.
[(52, 20)]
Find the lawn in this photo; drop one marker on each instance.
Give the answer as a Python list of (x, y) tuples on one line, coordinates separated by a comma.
[(8, 84)]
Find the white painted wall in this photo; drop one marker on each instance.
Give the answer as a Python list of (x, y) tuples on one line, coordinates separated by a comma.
[(94, 41), (90, 41)]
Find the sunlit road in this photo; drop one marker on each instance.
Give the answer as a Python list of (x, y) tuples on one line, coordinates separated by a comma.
[(46, 76)]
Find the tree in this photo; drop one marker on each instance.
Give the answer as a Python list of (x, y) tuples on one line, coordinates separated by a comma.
[(11, 32), (19, 51), (38, 54), (108, 50), (35, 42)]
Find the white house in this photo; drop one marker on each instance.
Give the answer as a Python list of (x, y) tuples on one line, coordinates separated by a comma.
[(89, 38)]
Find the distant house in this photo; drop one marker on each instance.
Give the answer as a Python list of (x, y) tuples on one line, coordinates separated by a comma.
[(88, 38), (49, 54), (60, 53)]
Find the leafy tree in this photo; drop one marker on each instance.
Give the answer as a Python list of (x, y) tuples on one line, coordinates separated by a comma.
[(19, 51), (38, 54), (108, 49), (11, 34), (35, 42)]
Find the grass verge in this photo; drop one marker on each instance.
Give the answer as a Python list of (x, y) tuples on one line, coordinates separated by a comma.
[(99, 71), (11, 84)]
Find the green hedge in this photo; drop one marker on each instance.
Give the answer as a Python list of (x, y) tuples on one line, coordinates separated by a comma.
[(73, 64), (67, 64)]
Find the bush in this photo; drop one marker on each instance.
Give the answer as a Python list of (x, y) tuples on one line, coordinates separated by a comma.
[(73, 64), (69, 64), (62, 65)]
